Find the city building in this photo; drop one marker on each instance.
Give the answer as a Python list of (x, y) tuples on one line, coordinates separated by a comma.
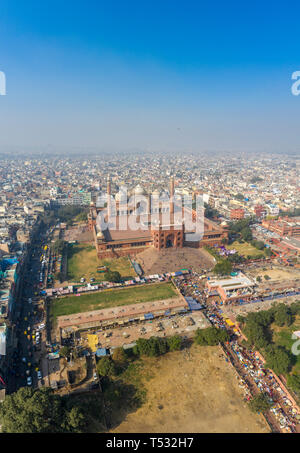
[(237, 214)]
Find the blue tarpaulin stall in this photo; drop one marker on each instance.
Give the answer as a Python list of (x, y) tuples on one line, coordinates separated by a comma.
[(101, 352), (193, 304), (149, 316)]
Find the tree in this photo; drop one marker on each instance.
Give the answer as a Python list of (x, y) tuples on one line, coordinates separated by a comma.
[(38, 411), (174, 343), (266, 277), (106, 367), (283, 316), (119, 356), (113, 276), (75, 420), (64, 351), (268, 252), (59, 276), (211, 336), (239, 196), (59, 246), (224, 267), (152, 347), (246, 234), (278, 359), (293, 381), (260, 403), (256, 334), (240, 319)]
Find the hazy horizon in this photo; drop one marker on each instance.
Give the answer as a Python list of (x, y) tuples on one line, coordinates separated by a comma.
[(171, 77)]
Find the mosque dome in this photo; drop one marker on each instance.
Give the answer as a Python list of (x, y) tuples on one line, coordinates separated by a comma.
[(121, 195), (156, 193), (224, 224), (138, 190)]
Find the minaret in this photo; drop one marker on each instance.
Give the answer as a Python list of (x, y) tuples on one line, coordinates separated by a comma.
[(172, 192), (108, 197)]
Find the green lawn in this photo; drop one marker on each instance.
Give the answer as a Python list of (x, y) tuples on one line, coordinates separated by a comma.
[(111, 298), (245, 249), (83, 262)]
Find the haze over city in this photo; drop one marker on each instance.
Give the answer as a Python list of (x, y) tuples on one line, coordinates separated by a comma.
[(157, 76)]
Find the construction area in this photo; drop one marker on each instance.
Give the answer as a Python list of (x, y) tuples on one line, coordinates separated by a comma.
[(195, 390), (183, 324)]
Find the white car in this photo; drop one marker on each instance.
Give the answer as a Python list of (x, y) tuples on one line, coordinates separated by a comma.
[(42, 326), (39, 375), (29, 380)]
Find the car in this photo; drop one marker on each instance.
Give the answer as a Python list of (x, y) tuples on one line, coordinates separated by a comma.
[(95, 376), (29, 380), (39, 375), (24, 359)]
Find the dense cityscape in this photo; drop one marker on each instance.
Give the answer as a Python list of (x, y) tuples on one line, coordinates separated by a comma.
[(149, 222), (48, 244)]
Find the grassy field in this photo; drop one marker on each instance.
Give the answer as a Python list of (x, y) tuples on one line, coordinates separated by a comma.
[(83, 262), (182, 393), (111, 298), (245, 249)]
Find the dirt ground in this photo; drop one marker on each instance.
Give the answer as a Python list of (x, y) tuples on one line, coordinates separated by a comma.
[(172, 260), (193, 393), (276, 274), (79, 233)]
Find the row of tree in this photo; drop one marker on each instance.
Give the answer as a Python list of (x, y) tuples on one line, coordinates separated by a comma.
[(211, 336), (114, 365), (40, 411), (256, 327)]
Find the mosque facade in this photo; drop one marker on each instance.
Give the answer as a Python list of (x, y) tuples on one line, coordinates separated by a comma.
[(141, 220)]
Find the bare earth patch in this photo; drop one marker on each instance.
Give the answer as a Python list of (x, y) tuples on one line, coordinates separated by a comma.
[(172, 260), (194, 394)]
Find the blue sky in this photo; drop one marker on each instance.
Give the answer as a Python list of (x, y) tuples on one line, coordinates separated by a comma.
[(159, 75)]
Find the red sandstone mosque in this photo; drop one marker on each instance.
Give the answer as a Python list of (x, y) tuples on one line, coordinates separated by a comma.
[(159, 223)]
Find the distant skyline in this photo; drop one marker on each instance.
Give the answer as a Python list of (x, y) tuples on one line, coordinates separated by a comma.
[(160, 75)]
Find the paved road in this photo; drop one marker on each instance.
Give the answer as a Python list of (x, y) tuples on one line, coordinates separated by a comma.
[(27, 317)]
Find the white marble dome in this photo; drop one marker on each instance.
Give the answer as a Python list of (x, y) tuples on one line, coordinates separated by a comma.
[(138, 190)]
